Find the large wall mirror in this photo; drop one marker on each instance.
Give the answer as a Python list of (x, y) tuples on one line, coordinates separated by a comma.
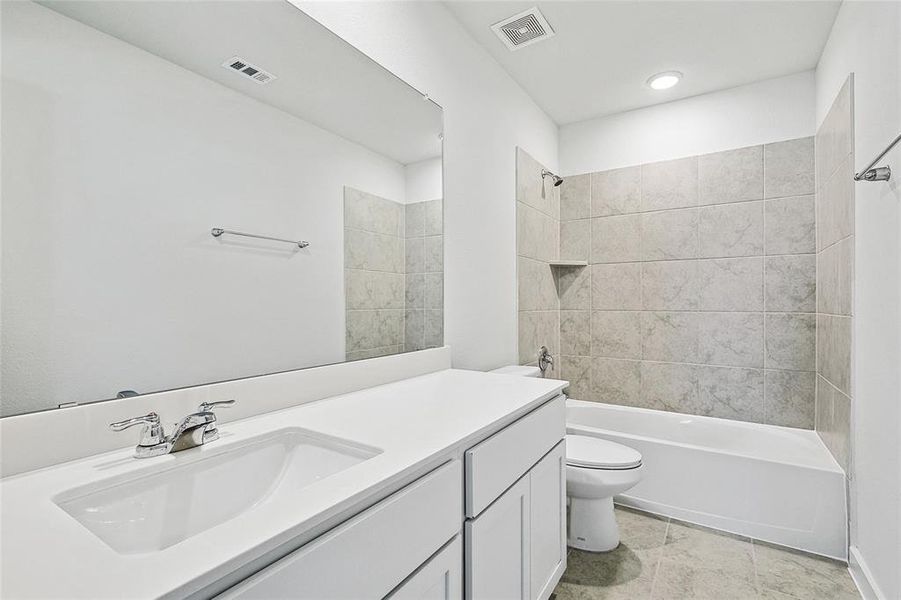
[(132, 130)]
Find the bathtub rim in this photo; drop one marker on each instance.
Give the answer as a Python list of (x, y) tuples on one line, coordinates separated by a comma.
[(576, 427)]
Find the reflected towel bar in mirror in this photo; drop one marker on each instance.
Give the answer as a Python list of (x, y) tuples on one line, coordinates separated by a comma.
[(218, 231)]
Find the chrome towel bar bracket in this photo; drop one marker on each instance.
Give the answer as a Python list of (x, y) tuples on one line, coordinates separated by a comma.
[(218, 231), (878, 173)]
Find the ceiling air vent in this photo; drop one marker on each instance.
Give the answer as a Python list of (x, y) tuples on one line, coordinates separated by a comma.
[(523, 29), (239, 65)]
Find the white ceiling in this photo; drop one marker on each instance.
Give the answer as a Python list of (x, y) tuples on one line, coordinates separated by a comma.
[(321, 78), (604, 52)]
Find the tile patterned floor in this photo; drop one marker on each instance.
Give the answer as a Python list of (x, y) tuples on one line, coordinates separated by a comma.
[(667, 560)]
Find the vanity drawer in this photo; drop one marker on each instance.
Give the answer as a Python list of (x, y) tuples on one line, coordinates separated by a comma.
[(493, 465), (369, 555)]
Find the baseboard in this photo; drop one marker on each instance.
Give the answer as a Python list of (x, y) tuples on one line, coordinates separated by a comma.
[(862, 577)]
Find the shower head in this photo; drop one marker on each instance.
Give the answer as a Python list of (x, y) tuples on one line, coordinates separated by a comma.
[(555, 178)]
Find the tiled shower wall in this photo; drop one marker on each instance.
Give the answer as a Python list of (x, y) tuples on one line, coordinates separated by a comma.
[(393, 275), (700, 294), (835, 267), (537, 245)]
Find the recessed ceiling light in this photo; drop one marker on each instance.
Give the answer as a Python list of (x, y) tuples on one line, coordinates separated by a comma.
[(664, 81)]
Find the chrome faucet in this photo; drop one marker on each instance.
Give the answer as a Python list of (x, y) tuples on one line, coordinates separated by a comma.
[(196, 429), (545, 360)]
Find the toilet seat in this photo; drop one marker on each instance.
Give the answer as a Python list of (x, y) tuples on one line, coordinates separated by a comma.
[(594, 453)]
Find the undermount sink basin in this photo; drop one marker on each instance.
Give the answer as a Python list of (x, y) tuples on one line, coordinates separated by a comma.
[(163, 506)]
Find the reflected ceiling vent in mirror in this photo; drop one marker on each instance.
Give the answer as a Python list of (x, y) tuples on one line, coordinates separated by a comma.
[(523, 29), (239, 65)]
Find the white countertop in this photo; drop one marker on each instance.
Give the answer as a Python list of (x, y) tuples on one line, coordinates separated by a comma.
[(417, 423)]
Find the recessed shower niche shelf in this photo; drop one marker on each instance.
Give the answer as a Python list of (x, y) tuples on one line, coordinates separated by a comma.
[(568, 263)]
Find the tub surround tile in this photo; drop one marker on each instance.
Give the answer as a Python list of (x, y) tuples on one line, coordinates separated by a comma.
[(533, 190), (434, 291), (575, 240), (433, 254), (833, 352), (373, 352), (834, 140), (731, 339), (833, 421), (730, 284), (577, 371), (790, 398), (575, 197), (368, 329), (372, 289), (616, 287), (373, 251), (615, 334), (731, 230), (573, 288), (537, 286), (615, 239), (414, 329), (668, 235), (575, 336), (669, 285), (368, 212), (834, 278), (668, 336), (835, 206), (790, 225), (789, 168), (669, 386), (537, 234), (536, 329), (731, 176), (433, 328), (790, 283), (730, 393), (669, 184), (414, 261), (790, 341), (433, 217), (616, 381), (415, 220), (414, 294), (616, 192)]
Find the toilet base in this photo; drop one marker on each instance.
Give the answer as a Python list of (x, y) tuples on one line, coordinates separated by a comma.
[(592, 524)]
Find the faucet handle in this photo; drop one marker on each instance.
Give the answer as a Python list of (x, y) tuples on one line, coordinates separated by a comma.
[(209, 406), (153, 430)]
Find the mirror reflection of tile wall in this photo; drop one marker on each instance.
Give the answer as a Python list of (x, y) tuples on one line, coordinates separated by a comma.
[(394, 275)]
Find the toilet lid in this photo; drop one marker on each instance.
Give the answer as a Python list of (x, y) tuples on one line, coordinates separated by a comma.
[(595, 453)]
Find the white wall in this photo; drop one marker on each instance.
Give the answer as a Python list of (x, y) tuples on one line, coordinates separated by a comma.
[(423, 181), (116, 164), (486, 115), (758, 113), (866, 40)]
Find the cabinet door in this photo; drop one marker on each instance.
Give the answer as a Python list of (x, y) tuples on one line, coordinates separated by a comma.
[(547, 483), (497, 548), (441, 578)]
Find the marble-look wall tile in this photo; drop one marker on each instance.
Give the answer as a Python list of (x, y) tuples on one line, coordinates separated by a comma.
[(731, 230), (575, 197), (433, 328), (790, 225), (731, 176), (823, 407), (433, 253), (414, 259), (834, 271), (615, 334), (669, 184), (669, 336), (731, 339), (616, 287), (730, 284), (574, 287), (536, 329), (415, 219), (537, 287), (414, 329), (434, 291), (730, 393), (669, 386), (616, 239), (789, 168), (433, 217), (373, 329), (834, 350), (373, 352), (616, 192), (575, 240), (671, 234), (790, 398), (373, 289), (790, 341), (833, 421), (835, 206), (577, 371), (373, 251), (537, 234), (575, 335), (533, 190), (415, 290), (834, 141), (669, 285), (615, 381), (790, 283), (372, 213)]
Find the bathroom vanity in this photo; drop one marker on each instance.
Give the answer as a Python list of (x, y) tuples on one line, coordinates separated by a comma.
[(449, 484)]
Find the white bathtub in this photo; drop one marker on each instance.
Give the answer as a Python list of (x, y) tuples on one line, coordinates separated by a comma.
[(770, 483)]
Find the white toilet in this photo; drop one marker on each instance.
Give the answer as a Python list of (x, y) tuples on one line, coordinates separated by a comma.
[(596, 471)]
